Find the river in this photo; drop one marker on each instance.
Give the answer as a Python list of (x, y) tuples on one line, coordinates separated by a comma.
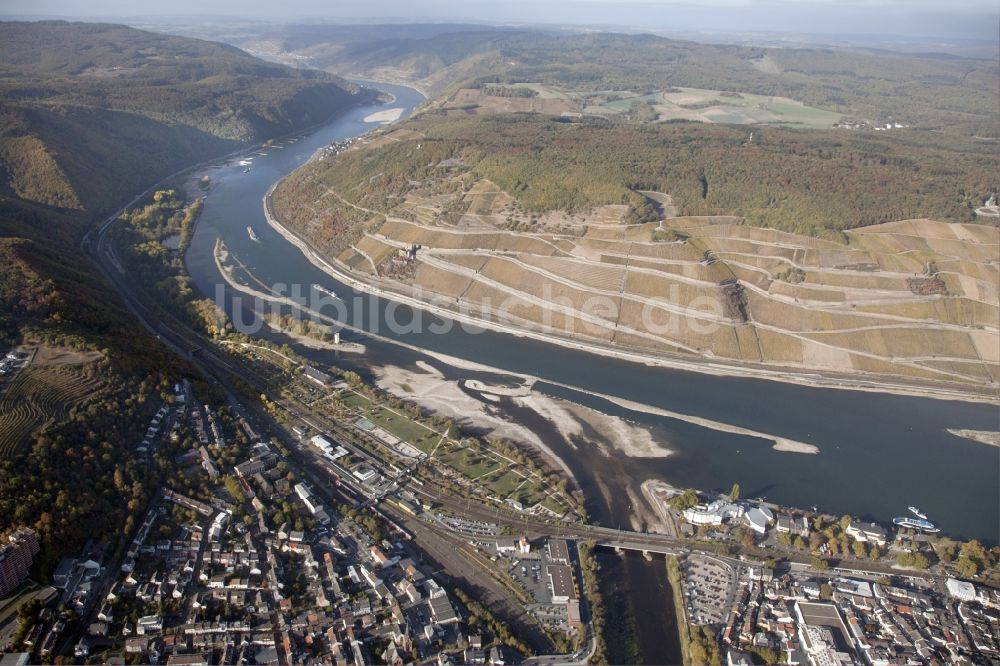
[(878, 453)]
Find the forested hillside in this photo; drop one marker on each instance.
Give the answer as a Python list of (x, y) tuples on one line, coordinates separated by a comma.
[(424, 47), (93, 112), (218, 88), (71, 475), (803, 181), (90, 115)]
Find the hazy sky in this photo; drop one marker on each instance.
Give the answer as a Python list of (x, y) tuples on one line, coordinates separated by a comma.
[(976, 19)]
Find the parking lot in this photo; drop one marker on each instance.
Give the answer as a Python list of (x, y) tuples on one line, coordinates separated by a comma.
[(708, 588), (553, 616), (530, 573)]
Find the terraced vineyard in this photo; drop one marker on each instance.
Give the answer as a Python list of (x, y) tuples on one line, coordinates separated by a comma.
[(916, 298), (41, 395)]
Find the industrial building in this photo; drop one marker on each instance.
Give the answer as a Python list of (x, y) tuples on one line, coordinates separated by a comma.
[(558, 551), (561, 583)]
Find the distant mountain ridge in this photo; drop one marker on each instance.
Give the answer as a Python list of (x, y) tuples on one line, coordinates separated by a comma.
[(94, 112), (954, 96)]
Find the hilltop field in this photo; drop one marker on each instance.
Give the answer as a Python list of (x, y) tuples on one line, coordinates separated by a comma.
[(793, 249), (707, 106)]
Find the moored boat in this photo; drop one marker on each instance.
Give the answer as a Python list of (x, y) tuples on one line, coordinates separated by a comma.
[(916, 524), (323, 289)]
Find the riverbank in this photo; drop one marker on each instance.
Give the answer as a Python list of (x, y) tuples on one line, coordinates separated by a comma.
[(315, 343), (221, 255), (779, 443), (657, 492), (569, 419), (676, 581), (641, 625), (388, 80), (812, 378), (430, 389)]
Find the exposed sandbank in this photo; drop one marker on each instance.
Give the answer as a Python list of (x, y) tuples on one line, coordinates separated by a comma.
[(987, 437), (384, 117), (631, 440), (613, 434), (779, 443), (432, 390)]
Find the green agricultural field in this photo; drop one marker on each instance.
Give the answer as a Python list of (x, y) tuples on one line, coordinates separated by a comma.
[(747, 108), (401, 426), (544, 92), (505, 483), (625, 103), (469, 462), (355, 400), (717, 106)]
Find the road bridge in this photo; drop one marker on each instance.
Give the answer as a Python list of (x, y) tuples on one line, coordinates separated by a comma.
[(646, 549)]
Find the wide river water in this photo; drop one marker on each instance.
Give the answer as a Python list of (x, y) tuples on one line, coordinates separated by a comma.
[(878, 453)]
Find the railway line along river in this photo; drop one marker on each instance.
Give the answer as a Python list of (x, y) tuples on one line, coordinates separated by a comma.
[(870, 454)]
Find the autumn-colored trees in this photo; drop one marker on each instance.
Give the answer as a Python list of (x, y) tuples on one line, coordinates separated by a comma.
[(806, 181)]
